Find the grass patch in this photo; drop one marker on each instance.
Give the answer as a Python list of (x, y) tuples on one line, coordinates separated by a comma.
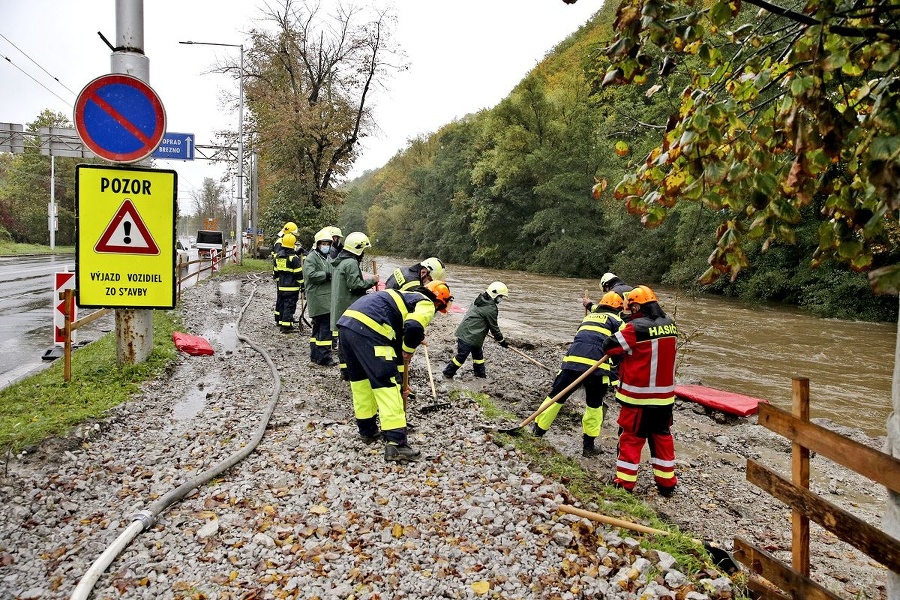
[(44, 405), (585, 486), (248, 265), (12, 248)]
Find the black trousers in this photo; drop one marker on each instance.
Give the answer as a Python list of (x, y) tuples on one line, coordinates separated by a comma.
[(320, 340), (463, 349)]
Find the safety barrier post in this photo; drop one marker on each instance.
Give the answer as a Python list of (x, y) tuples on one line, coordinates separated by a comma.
[(67, 297)]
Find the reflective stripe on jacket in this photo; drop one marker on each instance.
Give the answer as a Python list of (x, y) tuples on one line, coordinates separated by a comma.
[(393, 318), (288, 271), (587, 347), (404, 279), (647, 372)]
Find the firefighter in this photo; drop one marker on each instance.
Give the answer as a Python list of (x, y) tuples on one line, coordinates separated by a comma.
[(379, 334), (289, 279), (317, 276), (421, 273), (585, 350), (609, 282), (348, 283), (480, 319), (289, 227), (646, 391), (336, 245)]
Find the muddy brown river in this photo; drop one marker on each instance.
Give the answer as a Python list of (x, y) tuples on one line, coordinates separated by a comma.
[(752, 350)]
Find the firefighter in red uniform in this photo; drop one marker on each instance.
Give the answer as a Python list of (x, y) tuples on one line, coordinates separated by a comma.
[(646, 390)]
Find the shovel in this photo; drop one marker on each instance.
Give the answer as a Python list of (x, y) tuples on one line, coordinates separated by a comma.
[(437, 405), (549, 401), (720, 557)]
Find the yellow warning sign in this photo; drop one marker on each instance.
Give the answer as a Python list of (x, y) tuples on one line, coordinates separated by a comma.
[(125, 246)]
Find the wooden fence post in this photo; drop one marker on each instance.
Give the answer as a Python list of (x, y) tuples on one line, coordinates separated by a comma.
[(800, 478)]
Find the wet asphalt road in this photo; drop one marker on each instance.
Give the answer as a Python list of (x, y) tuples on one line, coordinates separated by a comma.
[(26, 313)]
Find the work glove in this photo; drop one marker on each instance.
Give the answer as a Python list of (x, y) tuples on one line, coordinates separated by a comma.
[(503, 344)]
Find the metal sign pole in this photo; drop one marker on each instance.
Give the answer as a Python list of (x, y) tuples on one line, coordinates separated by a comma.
[(134, 327)]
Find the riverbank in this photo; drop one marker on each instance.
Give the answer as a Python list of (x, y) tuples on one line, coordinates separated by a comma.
[(314, 511)]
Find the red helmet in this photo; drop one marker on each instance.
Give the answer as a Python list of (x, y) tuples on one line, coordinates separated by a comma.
[(441, 293)]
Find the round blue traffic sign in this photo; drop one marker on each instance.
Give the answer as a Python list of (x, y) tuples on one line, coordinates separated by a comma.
[(120, 118)]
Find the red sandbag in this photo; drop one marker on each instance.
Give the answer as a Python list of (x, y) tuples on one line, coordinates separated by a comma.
[(192, 344)]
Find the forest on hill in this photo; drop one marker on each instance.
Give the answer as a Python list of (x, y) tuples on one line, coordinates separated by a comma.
[(528, 184)]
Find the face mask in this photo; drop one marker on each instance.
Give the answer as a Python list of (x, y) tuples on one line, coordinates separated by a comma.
[(324, 248)]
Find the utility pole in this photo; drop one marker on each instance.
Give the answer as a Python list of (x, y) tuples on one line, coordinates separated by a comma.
[(134, 327)]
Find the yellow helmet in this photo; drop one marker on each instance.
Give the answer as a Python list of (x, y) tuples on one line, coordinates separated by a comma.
[(435, 267), (336, 232), (289, 227), (288, 240), (356, 243), (323, 235), (640, 295), (498, 288), (612, 300)]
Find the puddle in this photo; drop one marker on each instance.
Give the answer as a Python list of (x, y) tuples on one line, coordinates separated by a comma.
[(230, 287), (190, 405), (229, 338)]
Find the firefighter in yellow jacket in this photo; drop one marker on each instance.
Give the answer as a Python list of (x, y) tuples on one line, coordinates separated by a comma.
[(379, 333)]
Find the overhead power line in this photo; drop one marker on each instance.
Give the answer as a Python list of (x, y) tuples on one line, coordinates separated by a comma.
[(69, 104), (25, 54)]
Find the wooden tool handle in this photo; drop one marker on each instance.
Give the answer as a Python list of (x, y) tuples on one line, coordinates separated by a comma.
[(600, 518), (549, 401)]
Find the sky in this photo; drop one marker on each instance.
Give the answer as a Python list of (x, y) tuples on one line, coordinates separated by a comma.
[(463, 56)]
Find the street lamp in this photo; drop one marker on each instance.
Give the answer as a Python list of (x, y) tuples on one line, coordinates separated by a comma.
[(240, 204)]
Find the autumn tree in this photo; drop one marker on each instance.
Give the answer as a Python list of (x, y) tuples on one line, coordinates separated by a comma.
[(311, 79), (211, 203), (788, 107)]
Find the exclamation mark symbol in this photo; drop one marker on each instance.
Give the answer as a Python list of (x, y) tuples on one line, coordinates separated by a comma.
[(127, 239)]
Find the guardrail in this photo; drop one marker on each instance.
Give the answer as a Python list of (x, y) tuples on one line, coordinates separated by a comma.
[(67, 296), (767, 571)]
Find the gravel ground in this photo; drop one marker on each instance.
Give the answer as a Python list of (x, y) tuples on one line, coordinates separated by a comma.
[(315, 513)]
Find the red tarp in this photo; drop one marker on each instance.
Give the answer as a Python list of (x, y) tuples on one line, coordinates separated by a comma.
[(191, 344), (735, 404)]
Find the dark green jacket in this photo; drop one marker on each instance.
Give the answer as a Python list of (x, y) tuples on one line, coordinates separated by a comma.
[(480, 318), (347, 284), (317, 274)]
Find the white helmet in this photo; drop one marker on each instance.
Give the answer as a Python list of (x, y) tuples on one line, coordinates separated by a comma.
[(356, 242), (607, 277), (498, 288), (335, 231), (323, 235), (435, 268)]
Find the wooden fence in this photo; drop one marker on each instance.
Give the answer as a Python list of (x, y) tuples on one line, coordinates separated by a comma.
[(793, 582), (67, 296)]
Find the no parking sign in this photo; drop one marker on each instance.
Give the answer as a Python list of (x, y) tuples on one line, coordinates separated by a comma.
[(120, 118)]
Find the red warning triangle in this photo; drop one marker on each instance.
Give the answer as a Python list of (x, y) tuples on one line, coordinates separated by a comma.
[(127, 234)]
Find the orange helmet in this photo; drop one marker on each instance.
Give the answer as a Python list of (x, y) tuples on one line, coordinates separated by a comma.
[(639, 295), (612, 300), (441, 292)]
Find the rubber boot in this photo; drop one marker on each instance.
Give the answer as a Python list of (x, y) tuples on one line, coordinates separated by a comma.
[(393, 452), (536, 430), (588, 449)]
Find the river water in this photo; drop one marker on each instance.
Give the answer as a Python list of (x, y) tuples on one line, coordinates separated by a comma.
[(752, 350)]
